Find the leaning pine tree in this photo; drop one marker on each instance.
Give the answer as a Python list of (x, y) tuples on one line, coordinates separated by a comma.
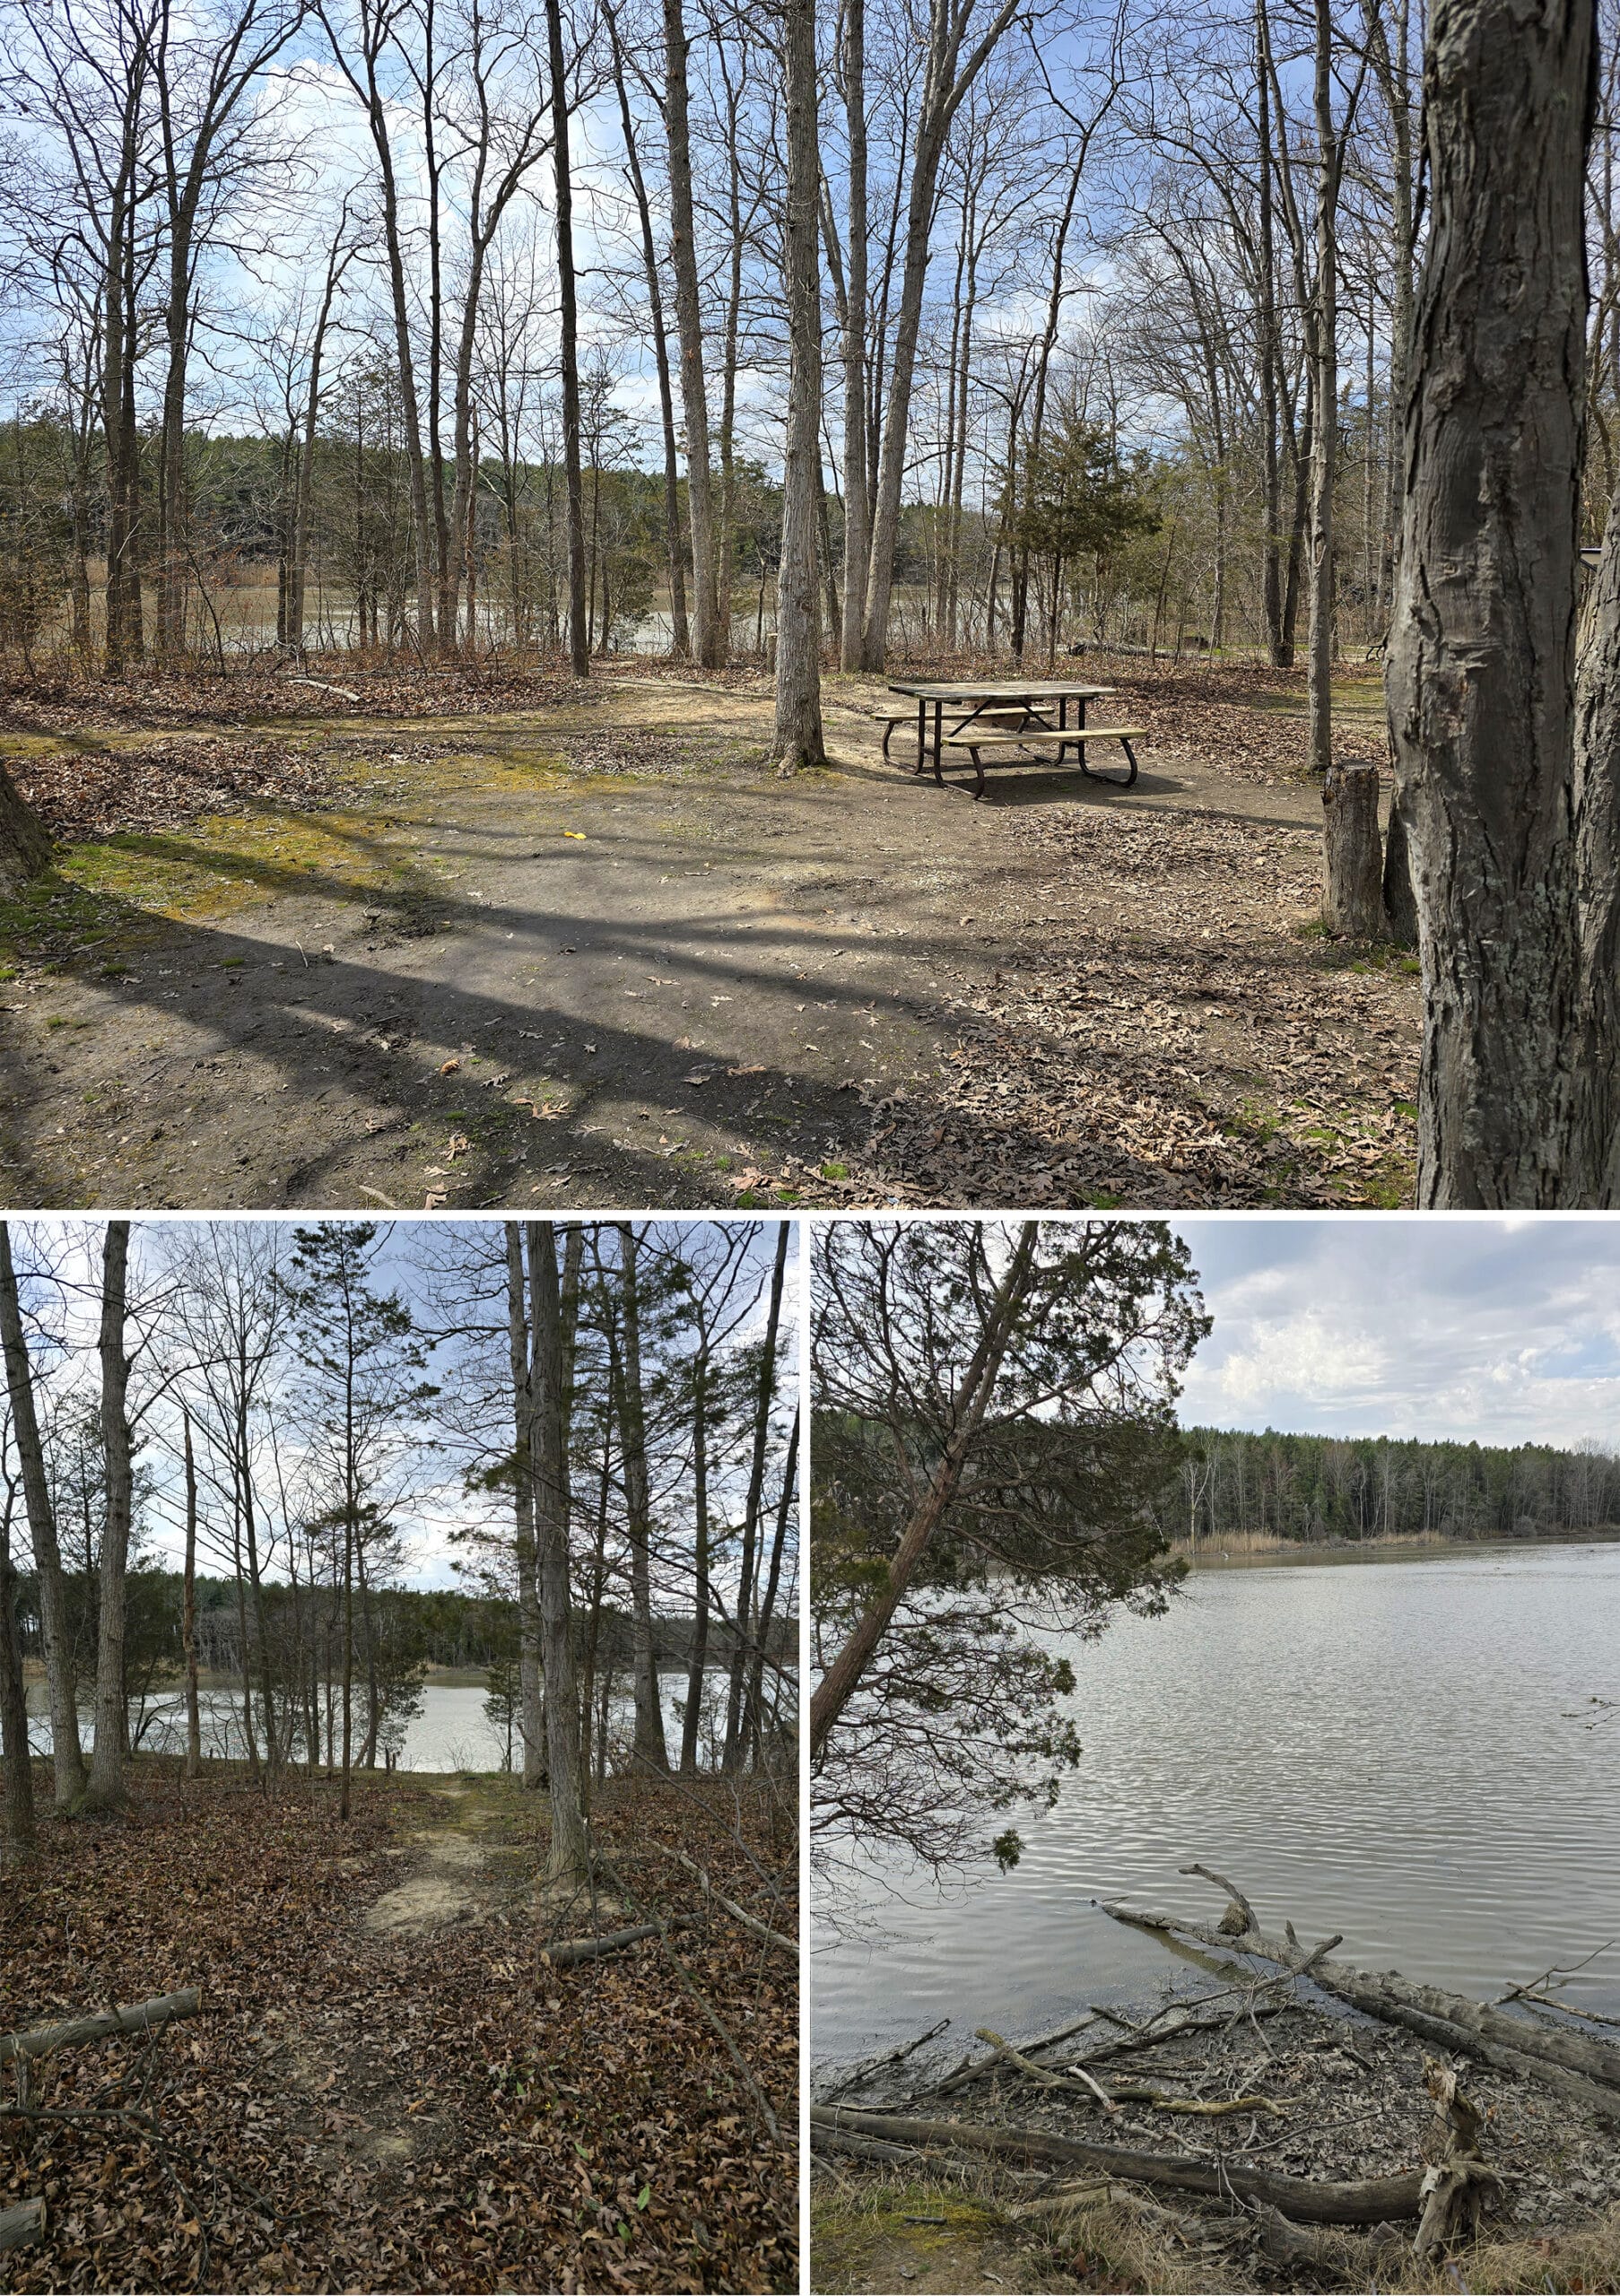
[(1504, 710)]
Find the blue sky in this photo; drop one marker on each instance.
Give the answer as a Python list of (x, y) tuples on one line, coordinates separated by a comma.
[(1497, 1331)]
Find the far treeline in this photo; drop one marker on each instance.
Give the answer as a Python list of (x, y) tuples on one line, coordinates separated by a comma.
[(1310, 1489)]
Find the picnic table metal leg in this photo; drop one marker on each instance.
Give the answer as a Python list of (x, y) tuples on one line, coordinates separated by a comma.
[(922, 733), (939, 741)]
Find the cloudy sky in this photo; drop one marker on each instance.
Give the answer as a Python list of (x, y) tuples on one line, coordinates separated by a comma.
[(1493, 1330)]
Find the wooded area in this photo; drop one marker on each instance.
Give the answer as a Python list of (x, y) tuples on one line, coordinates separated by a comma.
[(1312, 1488), (597, 1426), (444, 334), (622, 1449)]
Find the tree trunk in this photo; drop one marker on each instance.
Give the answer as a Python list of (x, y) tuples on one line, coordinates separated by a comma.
[(555, 1314), (708, 646), (1482, 652), (1353, 861), (798, 685), (579, 640), (680, 635), (754, 1706), (106, 1790), (67, 1759), (857, 519), (838, 1686), (19, 1836), (194, 1724), (530, 1700), (650, 1751), (698, 1657), (752, 1507)]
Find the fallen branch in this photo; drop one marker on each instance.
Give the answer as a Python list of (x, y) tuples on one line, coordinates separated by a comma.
[(1445, 2020), (22, 2226), (1369, 2202), (871, 2065), (44, 2040), (749, 1921), (614, 1941), (321, 686)]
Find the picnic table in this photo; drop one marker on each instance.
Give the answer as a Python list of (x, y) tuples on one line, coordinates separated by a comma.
[(995, 714)]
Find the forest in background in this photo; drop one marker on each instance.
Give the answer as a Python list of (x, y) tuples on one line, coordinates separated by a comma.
[(1314, 1488), (392, 306)]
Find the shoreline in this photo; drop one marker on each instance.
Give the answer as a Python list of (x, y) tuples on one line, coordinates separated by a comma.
[(1395, 1549)]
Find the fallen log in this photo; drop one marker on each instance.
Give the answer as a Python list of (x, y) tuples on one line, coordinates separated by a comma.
[(22, 2226), (1584, 2053), (613, 1940), (45, 2040), (1369, 2202), (1397, 2002)]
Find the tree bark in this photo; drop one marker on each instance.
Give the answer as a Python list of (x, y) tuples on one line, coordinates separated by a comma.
[(555, 1314), (73, 2032), (193, 1724), (709, 640), (531, 1709), (19, 1835), (106, 1788), (67, 1758), (743, 1639), (858, 512), (24, 846), (1481, 663), (578, 636), (798, 685), (650, 1751), (22, 2226)]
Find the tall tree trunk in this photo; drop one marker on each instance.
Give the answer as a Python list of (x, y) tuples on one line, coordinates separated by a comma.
[(193, 1722), (1482, 650), (106, 1790), (578, 638), (698, 1656), (754, 1709), (67, 1758), (680, 634), (650, 1751), (842, 1678), (707, 637), (1324, 442), (555, 1313), (798, 682), (19, 1836), (858, 518), (530, 1705), (763, 1400)]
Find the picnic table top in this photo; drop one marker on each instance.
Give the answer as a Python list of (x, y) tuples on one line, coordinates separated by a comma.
[(996, 689)]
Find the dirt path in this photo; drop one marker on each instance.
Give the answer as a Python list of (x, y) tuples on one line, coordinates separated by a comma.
[(601, 955)]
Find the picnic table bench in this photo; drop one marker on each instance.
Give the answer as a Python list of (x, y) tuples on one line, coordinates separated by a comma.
[(1012, 714)]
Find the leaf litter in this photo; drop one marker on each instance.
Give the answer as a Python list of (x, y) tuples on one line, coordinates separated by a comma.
[(352, 2110)]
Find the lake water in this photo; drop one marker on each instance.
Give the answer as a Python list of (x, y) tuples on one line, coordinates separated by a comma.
[(1405, 1751), (452, 1731)]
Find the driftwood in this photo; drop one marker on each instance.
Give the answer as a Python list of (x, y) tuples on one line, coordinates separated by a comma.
[(1369, 2202), (1111, 2099), (21, 2226), (868, 2065), (1460, 2187), (45, 2040), (1445, 2020), (322, 685), (614, 1941)]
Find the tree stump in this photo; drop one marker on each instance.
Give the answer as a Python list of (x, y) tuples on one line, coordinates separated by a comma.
[(1460, 2187), (24, 847), (1352, 853)]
